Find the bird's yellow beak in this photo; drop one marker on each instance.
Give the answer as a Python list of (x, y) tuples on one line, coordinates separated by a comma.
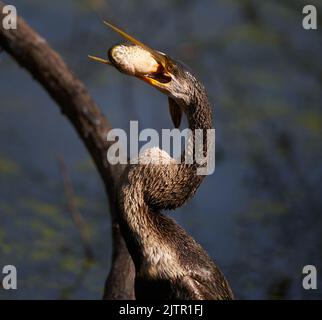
[(158, 77), (100, 60), (146, 64)]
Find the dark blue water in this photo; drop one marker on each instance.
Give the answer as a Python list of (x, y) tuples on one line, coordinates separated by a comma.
[(258, 215)]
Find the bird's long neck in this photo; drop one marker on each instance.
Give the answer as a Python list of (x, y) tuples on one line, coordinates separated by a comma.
[(151, 188), (199, 115)]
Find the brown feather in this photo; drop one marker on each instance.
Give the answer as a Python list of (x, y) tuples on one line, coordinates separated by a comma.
[(175, 112)]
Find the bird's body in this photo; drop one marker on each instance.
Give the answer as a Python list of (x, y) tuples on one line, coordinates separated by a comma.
[(169, 263)]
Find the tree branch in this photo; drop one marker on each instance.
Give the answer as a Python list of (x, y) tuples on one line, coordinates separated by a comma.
[(32, 52)]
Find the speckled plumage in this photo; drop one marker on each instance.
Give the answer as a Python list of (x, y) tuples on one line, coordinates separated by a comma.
[(169, 263)]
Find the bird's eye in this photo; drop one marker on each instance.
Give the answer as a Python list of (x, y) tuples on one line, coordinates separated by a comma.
[(171, 68)]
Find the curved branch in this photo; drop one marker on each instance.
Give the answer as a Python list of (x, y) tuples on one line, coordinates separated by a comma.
[(32, 52)]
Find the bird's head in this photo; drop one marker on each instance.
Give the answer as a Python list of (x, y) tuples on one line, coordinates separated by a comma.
[(155, 68)]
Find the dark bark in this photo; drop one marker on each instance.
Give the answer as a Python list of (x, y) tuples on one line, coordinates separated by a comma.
[(32, 52)]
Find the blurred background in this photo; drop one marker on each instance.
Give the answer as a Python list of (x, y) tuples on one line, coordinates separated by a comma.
[(258, 215)]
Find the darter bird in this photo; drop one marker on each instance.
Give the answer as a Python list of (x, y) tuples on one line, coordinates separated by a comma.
[(169, 263)]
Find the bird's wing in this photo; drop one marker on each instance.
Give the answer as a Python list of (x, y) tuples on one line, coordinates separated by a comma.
[(206, 288)]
